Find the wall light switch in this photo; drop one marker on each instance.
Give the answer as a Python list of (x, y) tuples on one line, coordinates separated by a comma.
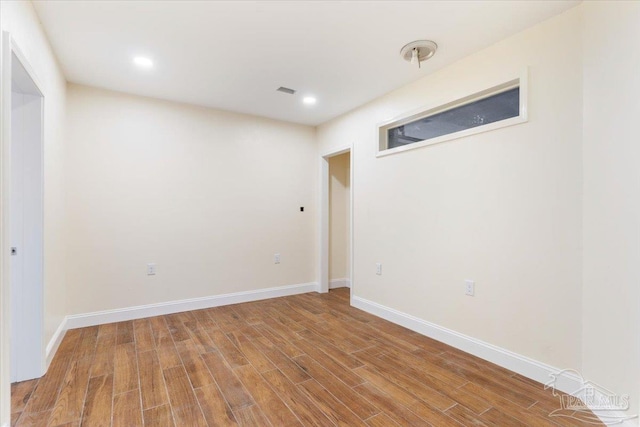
[(276, 258), (151, 269), (379, 268)]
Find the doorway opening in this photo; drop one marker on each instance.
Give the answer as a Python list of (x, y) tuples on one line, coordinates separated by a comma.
[(26, 224), (339, 220), (336, 221)]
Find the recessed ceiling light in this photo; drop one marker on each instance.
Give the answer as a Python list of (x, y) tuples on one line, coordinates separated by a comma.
[(309, 100), (143, 62)]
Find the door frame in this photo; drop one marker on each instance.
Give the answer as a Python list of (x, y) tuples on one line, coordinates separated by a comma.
[(324, 216), (8, 47)]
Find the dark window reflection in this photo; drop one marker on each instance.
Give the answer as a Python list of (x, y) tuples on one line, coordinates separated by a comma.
[(498, 107)]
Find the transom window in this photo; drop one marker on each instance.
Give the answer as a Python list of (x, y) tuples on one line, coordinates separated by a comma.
[(495, 107)]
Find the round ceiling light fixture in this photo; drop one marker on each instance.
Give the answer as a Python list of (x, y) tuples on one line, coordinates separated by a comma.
[(418, 51)]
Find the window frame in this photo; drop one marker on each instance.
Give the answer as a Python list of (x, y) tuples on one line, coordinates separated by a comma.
[(520, 81)]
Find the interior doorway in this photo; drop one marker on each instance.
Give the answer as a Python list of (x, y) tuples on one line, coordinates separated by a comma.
[(336, 252), (26, 223), (339, 221)]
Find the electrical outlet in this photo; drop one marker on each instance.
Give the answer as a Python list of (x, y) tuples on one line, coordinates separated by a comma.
[(469, 287), (276, 258), (379, 268), (151, 269)]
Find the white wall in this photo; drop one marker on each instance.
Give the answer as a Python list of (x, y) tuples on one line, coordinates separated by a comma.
[(339, 216), (208, 196), (20, 20), (611, 291), (502, 208)]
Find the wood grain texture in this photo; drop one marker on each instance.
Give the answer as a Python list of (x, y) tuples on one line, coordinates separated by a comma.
[(126, 409), (158, 416), (304, 360), (152, 388)]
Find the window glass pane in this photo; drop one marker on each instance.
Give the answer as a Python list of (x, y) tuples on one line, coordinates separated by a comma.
[(498, 107)]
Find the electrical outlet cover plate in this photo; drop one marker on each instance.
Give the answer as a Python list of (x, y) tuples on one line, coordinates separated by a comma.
[(469, 287), (151, 269)]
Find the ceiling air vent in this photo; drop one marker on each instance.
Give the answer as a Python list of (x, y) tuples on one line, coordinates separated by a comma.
[(286, 90)]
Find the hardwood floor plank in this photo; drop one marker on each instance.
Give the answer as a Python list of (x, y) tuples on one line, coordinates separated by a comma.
[(45, 394), (125, 376), (20, 394), (159, 416), (507, 406), (33, 419), (87, 345), (420, 362), (153, 390), (286, 347), (179, 388), (215, 409), (343, 357), (272, 406), (124, 332), (71, 399), (103, 362), (69, 342), (336, 338), (232, 355), (544, 413), (107, 329), (304, 408), (226, 318), (385, 403), (465, 416), (333, 408), (143, 335), (189, 416), (255, 357), (204, 320), (288, 367), (381, 420), (230, 386), (409, 382), (15, 416), (159, 327), (97, 405), (167, 353), (251, 416), (374, 378), (176, 328), (494, 417), (348, 376), (126, 409), (433, 415), (202, 340), (196, 369), (361, 407)]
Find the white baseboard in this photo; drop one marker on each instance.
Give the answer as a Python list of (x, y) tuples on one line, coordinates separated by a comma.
[(150, 310), (518, 363), (54, 343), (339, 283)]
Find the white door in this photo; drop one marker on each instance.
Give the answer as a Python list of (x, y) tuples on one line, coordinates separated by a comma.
[(26, 229)]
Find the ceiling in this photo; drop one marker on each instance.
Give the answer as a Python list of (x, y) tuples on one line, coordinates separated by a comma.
[(233, 55)]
